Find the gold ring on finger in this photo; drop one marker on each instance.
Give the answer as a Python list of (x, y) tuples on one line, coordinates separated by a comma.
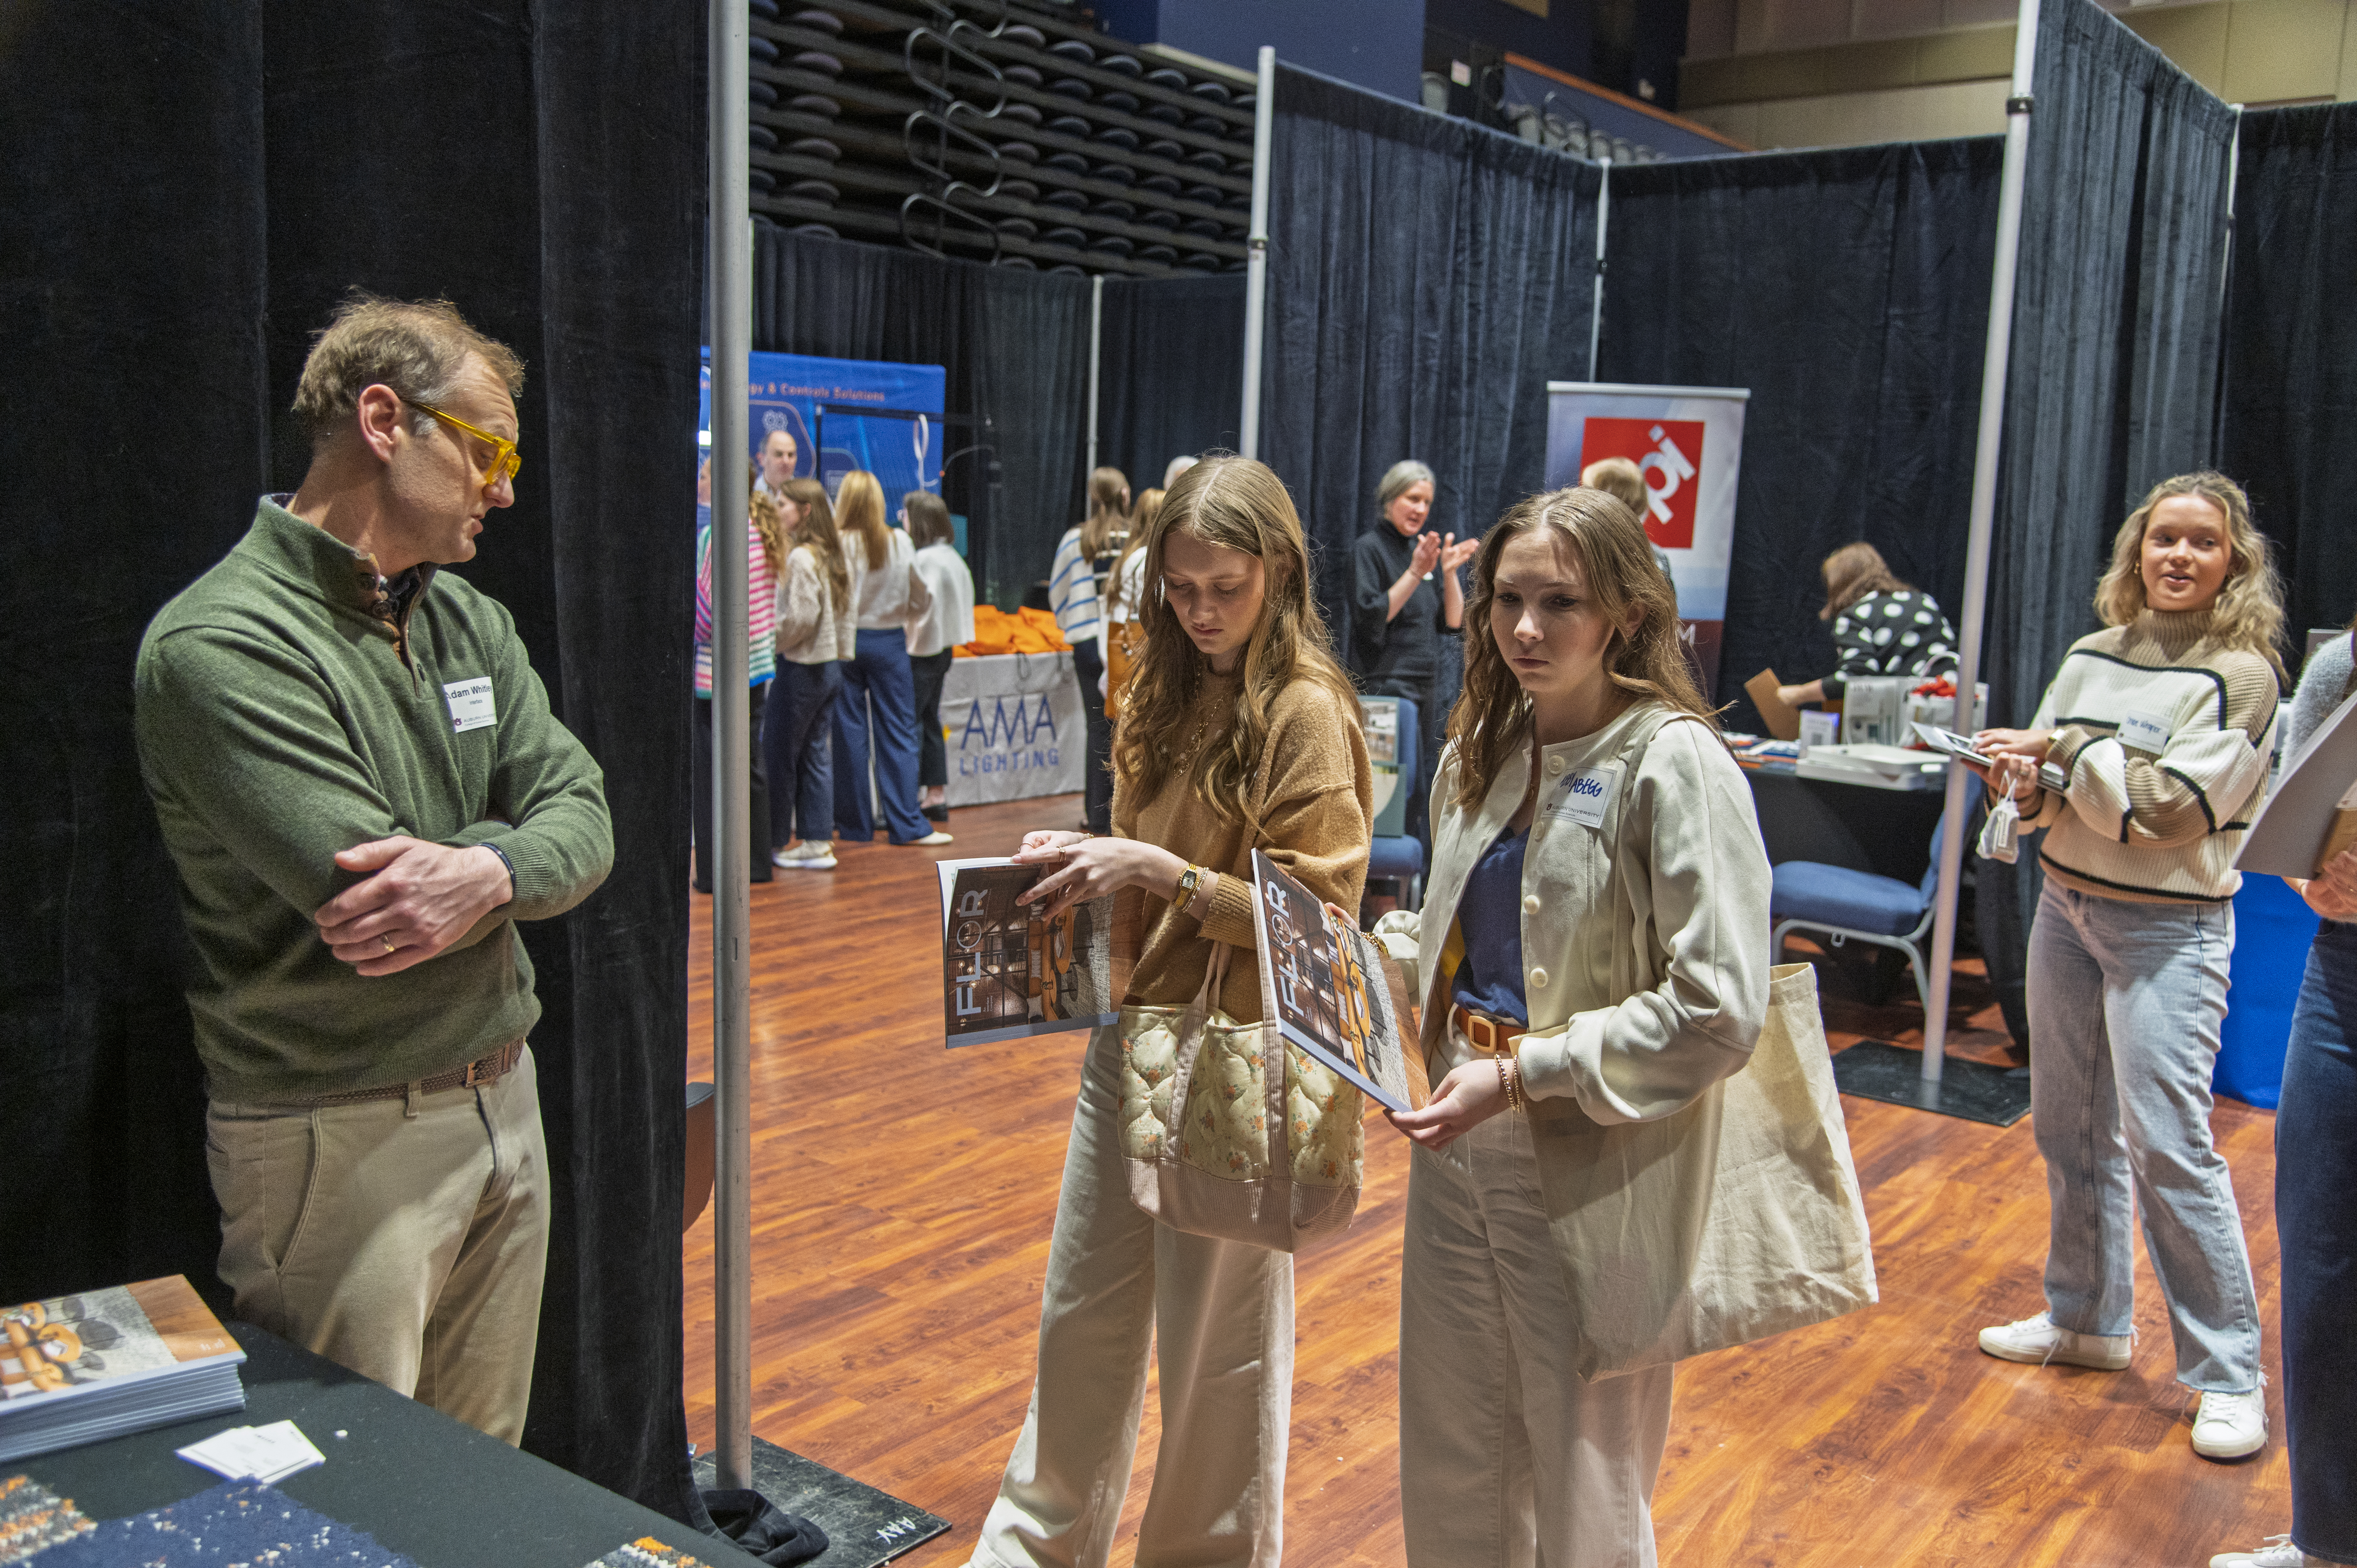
[(390, 945)]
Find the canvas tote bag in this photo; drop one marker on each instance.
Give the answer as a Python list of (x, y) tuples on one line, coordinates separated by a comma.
[(1786, 1244), (1784, 1241), (1232, 1131)]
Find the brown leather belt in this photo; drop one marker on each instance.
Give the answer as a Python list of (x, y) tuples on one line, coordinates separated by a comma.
[(476, 1074), (1484, 1032)]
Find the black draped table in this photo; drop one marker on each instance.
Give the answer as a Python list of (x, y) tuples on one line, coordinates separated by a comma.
[(423, 1484)]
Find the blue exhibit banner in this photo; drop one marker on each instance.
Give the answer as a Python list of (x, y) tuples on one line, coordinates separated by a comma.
[(787, 389)]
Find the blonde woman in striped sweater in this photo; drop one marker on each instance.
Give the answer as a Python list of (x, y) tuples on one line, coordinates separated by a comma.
[(2162, 725)]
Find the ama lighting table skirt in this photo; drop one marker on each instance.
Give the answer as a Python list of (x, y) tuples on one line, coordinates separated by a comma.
[(1013, 727)]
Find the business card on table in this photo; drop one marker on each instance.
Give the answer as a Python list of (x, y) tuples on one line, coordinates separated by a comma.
[(265, 1453)]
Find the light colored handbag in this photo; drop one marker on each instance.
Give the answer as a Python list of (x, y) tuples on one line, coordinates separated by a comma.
[(1217, 1144), (1784, 1242)]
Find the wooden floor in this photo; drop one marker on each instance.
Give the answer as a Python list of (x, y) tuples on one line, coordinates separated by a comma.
[(904, 1196)]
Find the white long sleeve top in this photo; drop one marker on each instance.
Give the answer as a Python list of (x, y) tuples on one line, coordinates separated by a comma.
[(948, 622)]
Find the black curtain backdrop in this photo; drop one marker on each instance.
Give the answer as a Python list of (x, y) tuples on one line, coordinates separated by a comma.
[(2115, 328), (2289, 430), (1016, 346), (1172, 357), (1426, 279), (1848, 290), (178, 224)]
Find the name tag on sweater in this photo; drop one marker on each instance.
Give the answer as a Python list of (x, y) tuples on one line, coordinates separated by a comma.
[(2145, 730), (470, 703), (1588, 795)]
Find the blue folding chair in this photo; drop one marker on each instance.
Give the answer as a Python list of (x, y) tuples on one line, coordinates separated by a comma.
[(1398, 857), (1858, 905)]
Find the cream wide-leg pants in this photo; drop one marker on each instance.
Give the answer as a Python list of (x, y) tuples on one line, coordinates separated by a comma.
[(1219, 1317), (1507, 1458)]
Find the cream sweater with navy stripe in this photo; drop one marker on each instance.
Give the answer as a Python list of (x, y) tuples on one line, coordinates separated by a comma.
[(2164, 737)]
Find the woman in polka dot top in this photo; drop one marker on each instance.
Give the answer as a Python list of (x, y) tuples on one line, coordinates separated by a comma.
[(1882, 627)]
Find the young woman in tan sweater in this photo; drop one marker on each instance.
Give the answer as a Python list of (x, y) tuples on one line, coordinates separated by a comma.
[(1239, 731)]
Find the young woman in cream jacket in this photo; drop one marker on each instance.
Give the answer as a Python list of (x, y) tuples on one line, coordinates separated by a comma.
[(1596, 937)]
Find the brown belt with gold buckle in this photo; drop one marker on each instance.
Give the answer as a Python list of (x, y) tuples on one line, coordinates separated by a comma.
[(1485, 1033), (476, 1074)]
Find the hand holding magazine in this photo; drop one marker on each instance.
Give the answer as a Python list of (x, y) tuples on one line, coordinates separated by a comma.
[(1008, 974), (1961, 747), (1328, 988)]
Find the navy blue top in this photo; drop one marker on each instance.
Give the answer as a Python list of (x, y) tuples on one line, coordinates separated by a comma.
[(1490, 915)]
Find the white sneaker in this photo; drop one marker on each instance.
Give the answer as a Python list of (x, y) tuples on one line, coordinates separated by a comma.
[(932, 840), (2228, 1426), (2037, 1341), (2279, 1552), (807, 855)]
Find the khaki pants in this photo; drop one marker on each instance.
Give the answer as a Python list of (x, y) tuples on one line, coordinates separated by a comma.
[(1218, 1315), (408, 1248), (1507, 1459)]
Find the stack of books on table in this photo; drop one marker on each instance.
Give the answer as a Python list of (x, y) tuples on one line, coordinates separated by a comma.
[(79, 1368)]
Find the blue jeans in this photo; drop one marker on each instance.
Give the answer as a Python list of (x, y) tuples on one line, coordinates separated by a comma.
[(879, 697), (2315, 1171), (2126, 1001), (800, 743)]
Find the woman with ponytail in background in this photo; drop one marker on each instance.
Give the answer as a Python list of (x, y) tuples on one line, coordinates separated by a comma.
[(879, 689), (813, 612), (1077, 582)]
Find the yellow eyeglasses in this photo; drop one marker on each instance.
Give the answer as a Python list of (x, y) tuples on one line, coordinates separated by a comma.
[(505, 458)]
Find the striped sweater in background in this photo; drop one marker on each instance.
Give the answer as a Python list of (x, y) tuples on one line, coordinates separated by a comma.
[(760, 611), (2164, 735), (1072, 591)]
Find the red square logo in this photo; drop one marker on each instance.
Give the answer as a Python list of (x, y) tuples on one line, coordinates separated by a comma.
[(1668, 452)]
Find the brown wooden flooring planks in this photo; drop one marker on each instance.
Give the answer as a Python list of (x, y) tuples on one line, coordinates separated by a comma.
[(903, 1196)]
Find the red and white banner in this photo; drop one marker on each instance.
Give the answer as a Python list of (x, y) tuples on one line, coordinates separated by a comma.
[(1688, 443)]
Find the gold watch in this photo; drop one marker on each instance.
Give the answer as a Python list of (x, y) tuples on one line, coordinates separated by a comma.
[(1191, 882)]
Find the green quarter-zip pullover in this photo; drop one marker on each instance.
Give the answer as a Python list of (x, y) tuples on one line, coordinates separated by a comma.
[(292, 705)]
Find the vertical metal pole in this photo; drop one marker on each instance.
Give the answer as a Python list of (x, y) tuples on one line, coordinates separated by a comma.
[(1097, 359), (2226, 289), (728, 279), (1595, 316), (1982, 521), (1256, 268)]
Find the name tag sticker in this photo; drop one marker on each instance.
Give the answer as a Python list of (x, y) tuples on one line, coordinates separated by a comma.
[(470, 703), (1587, 794), (2147, 731)]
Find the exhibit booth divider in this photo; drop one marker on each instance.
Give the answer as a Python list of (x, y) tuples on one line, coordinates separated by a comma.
[(1016, 346), (2288, 426), (202, 206), (1426, 278)]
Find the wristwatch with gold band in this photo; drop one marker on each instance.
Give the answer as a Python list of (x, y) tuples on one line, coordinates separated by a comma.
[(1190, 881)]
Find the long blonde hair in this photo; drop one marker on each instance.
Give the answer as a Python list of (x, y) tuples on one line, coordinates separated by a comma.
[(859, 512), (2248, 611), (1493, 717), (819, 532), (1108, 492), (1141, 524), (766, 523), (1238, 503)]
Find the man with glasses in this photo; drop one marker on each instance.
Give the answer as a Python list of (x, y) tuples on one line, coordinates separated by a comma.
[(359, 776)]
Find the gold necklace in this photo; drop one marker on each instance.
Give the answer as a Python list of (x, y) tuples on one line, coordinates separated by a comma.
[(1186, 757)]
